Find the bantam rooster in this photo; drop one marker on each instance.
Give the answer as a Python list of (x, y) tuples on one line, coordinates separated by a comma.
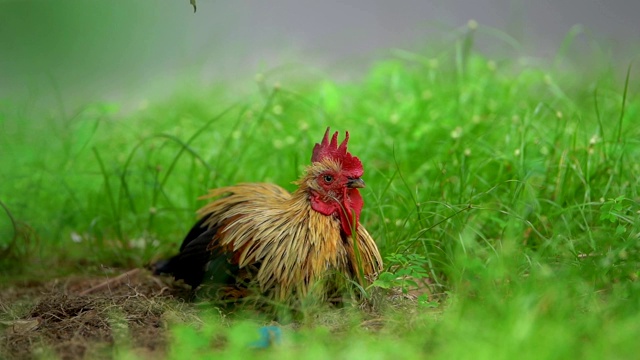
[(286, 245)]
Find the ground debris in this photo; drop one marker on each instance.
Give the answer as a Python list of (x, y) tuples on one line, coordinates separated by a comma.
[(81, 318), (97, 317)]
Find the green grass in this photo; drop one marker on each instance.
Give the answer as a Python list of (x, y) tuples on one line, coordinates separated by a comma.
[(512, 185)]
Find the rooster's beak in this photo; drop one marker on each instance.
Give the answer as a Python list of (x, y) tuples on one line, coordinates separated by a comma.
[(355, 183)]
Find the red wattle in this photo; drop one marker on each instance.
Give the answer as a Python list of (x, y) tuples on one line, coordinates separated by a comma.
[(322, 207), (352, 203)]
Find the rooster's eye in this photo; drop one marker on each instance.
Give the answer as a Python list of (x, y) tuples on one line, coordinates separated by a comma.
[(328, 178)]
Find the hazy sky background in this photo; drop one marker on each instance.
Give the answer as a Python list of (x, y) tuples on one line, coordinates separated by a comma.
[(126, 50)]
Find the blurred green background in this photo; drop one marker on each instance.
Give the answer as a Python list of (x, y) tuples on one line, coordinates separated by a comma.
[(76, 52), (500, 155)]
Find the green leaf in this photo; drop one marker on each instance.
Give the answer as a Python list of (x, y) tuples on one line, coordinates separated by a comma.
[(385, 280)]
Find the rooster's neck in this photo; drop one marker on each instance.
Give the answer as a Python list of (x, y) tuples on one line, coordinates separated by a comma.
[(346, 208)]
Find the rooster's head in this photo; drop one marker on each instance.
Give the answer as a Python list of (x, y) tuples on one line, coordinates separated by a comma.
[(333, 180)]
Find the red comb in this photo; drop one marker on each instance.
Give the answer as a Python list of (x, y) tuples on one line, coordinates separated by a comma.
[(331, 150)]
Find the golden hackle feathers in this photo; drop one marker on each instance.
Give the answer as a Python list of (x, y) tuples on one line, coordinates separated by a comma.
[(295, 246)]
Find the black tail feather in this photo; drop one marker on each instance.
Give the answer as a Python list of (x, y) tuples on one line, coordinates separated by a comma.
[(196, 230), (191, 262)]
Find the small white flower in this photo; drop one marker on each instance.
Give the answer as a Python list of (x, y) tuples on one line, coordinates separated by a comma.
[(456, 133), (138, 243), (75, 237)]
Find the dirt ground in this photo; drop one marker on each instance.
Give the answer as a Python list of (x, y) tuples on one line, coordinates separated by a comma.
[(82, 317)]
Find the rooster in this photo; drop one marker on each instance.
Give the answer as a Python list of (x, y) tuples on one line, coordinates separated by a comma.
[(284, 244)]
